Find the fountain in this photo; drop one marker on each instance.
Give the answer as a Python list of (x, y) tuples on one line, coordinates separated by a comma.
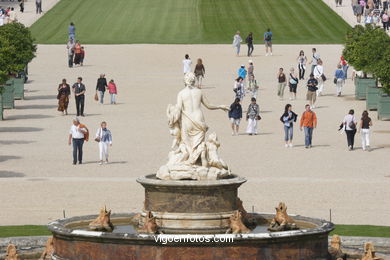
[(191, 209)]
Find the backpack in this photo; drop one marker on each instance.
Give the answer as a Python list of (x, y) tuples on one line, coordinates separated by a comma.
[(268, 36)]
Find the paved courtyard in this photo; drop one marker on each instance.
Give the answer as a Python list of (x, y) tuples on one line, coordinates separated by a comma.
[(38, 180)]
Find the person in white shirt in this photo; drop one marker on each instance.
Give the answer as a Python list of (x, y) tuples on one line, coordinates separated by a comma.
[(318, 72), (76, 136), (350, 123), (12, 16), (104, 138), (187, 64), (314, 60), (237, 43)]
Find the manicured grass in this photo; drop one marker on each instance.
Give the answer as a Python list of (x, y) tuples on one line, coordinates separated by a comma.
[(190, 21), (21, 231), (362, 231), (342, 230)]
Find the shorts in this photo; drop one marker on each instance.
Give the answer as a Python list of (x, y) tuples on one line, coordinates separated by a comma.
[(311, 95), (235, 121), (293, 88), (268, 44)]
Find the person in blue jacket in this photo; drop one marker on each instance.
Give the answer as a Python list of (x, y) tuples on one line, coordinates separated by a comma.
[(235, 115)]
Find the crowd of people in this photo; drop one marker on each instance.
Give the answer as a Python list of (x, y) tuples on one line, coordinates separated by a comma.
[(371, 12), (76, 52), (9, 15)]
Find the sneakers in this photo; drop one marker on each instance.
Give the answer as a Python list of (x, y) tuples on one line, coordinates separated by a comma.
[(286, 145), (266, 54), (106, 162), (101, 162), (271, 53), (290, 145)]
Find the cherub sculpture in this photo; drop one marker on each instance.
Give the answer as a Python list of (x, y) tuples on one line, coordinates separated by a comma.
[(102, 222), (282, 221)]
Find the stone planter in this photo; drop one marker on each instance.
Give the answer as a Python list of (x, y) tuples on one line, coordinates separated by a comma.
[(361, 86), (384, 107), (8, 95), (372, 97), (19, 88), (1, 105)]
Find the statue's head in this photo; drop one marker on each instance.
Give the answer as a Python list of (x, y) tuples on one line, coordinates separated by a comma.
[(189, 79)]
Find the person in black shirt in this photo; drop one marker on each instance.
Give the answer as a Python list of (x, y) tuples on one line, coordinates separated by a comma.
[(101, 87), (249, 42), (311, 90), (79, 93)]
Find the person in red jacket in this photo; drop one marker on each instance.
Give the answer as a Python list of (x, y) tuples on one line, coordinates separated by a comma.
[(113, 91), (308, 122)]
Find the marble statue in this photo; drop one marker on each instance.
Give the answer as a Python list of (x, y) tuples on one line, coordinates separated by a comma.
[(282, 221), (102, 222), (335, 251), (49, 250), (11, 253), (193, 155), (236, 224)]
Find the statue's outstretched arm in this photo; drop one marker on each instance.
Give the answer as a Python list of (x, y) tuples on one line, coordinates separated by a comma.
[(206, 103)]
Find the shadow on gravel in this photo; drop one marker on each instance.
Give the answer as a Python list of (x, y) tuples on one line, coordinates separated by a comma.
[(36, 106), (4, 158), (19, 129), (8, 174), (11, 142), (36, 116), (41, 97)]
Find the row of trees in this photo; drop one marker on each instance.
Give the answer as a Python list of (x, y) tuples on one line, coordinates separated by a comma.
[(17, 49), (367, 49)]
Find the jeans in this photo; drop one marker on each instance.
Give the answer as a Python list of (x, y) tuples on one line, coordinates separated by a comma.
[(308, 135), (250, 49), (339, 86), (301, 69), (72, 36), (350, 137), (80, 104), (113, 98), (385, 26), (101, 97), (312, 68), (365, 133), (238, 49), (78, 150), (345, 70), (288, 133), (70, 61)]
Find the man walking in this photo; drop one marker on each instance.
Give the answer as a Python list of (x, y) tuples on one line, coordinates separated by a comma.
[(308, 122), (79, 92), (101, 87), (77, 134), (72, 31), (70, 46), (314, 60), (268, 42), (38, 6)]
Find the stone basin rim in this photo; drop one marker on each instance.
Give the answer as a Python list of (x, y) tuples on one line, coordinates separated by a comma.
[(58, 228), (152, 180)]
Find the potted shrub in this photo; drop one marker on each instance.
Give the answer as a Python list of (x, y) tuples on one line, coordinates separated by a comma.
[(382, 70), (362, 46)]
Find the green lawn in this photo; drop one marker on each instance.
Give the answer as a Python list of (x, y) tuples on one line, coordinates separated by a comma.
[(342, 230), (190, 21)]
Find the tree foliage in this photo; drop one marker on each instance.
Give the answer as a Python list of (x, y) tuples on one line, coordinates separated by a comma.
[(367, 50), (17, 49)]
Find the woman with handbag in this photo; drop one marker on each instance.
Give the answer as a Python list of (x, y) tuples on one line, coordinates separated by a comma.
[(288, 118), (350, 123), (104, 138), (63, 97), (319, 76), (252, 116)]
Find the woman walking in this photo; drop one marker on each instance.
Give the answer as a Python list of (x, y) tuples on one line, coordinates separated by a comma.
[(104, 138), (339, 79), (112, 91), (302, 60), (199, 72), (281, 83), (252, 116), (78, 53), (63, 97), (252, 86), (345, 66), (293, 83), (235, 115), (319, 75), (288, 118), (365, 123), (237, 43), (350, 128), (239, 88), (249, 42)]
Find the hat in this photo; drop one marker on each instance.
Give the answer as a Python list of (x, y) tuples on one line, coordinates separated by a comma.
[(242, 65), (250, 61)]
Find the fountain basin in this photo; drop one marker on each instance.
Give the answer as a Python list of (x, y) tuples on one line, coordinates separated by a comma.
[(73, 242), (190, 206)]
